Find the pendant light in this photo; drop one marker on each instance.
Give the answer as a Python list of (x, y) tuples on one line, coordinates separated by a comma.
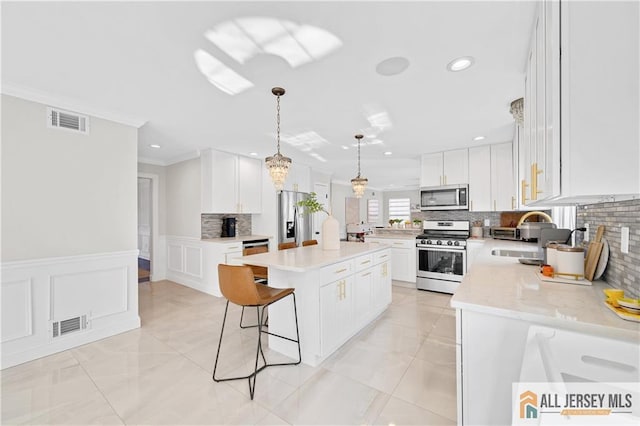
[(359, 183), (278, 164)]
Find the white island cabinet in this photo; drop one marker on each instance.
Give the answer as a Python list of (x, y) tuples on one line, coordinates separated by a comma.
[(403, 254), (514, 328), (338, 293)]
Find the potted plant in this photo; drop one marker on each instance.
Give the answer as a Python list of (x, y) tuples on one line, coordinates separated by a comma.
[(417, 223), (330, 226), (391, 222)]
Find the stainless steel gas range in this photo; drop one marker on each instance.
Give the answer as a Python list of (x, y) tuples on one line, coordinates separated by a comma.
[(442, 255)]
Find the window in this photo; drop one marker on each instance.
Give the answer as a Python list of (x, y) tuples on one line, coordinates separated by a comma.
[(400, 208), (373, 211)]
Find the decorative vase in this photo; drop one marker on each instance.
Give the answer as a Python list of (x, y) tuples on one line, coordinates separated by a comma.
[(330, 234)]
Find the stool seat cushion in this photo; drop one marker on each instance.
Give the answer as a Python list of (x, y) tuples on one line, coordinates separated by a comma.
[(268, 294)]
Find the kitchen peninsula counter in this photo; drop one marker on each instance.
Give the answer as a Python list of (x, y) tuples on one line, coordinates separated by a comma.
[(338, 292), (511, 327)]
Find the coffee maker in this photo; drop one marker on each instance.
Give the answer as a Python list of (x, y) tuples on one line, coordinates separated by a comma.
[(228, 227)]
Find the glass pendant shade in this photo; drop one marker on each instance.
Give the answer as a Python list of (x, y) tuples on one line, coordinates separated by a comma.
[(359, 183), (277, 164)]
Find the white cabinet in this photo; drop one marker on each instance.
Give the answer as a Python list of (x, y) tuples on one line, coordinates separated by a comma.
[(336, 310), (403, 257), (580, 115), (230, 183), (480, 179), (381, 286), (503, 193), (362, 293), (445, 168)]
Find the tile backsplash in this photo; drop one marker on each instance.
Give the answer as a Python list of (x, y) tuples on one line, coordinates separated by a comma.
[(211, 224), (623, 269)]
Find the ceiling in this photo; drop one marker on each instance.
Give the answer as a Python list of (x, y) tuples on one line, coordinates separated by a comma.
[(134, 61)]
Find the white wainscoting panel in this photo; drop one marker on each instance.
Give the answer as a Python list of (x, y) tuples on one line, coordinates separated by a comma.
[(188, 269), (103, 286), (17, 310), (193, 261), (175, 256), (102, 293)]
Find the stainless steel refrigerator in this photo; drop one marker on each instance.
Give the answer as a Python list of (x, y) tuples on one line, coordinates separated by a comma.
[(293, 224)]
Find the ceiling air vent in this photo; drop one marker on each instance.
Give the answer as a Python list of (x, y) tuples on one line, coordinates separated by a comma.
[(60, 119), (63, 327)]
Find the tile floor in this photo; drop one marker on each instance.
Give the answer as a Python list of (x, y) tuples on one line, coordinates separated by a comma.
[(399, 370)]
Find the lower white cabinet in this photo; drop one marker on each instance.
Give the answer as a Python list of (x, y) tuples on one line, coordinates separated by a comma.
[(403, 257), (349, 303), (336, 310)]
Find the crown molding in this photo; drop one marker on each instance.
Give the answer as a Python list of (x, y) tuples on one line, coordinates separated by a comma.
[(68, 104), (151, 161)]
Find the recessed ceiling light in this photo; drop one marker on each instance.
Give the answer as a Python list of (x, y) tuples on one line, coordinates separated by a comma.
[(478, 138), (460, 64), (155, 146), (392, 66), (345, 147), (388, 153), (253, 153)]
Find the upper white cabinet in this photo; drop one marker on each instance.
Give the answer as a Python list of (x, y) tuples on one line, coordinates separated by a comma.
[(230, 183), (445, 168), (582, 106), (480, 178), (503, 191), (491, 178)]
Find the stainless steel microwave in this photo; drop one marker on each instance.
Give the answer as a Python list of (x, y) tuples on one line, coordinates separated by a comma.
[(447, 197)]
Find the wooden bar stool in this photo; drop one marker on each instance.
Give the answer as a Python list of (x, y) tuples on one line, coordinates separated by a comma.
[(309, 243), (284, 246), (238, 286)]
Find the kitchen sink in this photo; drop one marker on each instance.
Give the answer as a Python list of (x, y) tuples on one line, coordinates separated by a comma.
[(526, 257)]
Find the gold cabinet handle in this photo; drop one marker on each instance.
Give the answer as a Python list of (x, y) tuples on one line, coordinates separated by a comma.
[(365, 262), (523, 191), (367, 274), (384, 255), (340, 270), (471, 206), (398, 244), (233, 248), (513, 203), (494, 206)]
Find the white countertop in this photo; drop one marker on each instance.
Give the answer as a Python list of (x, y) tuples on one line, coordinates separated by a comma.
[(406, 236), (307, 258), (504, 287), (235, 239)]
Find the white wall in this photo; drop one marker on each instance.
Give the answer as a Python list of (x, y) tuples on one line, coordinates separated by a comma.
[(69, 232), (183, 199), (64, 193)]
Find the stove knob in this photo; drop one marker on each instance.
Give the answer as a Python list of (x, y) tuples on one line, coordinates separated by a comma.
[(439, 242), (456, 243), (449, 243), (423, 242), (429, 242)]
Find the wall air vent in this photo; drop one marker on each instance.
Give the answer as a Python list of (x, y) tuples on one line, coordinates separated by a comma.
[(63, 327), (60, 119)]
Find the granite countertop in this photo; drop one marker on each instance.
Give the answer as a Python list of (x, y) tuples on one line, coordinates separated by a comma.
[(502, 286), (302, 259), (235, 239)]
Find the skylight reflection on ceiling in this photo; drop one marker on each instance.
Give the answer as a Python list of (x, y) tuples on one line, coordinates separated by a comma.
[(298, 44), (318, 157), (220, 75), (377, 117), (305, 142)]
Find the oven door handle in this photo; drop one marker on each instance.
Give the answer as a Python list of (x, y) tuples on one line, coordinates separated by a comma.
[(458, 197), (442, 249)]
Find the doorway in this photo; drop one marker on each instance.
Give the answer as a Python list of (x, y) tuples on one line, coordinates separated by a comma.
[(145, 221), (322, 195)]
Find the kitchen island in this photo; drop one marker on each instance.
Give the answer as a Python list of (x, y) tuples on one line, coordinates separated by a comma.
[(338, 292), (512, 327)]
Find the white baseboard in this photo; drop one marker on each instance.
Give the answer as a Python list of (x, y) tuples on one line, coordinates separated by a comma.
[(103, 288)]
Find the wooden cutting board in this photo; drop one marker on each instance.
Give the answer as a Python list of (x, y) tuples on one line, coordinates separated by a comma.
[(593, 254)]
